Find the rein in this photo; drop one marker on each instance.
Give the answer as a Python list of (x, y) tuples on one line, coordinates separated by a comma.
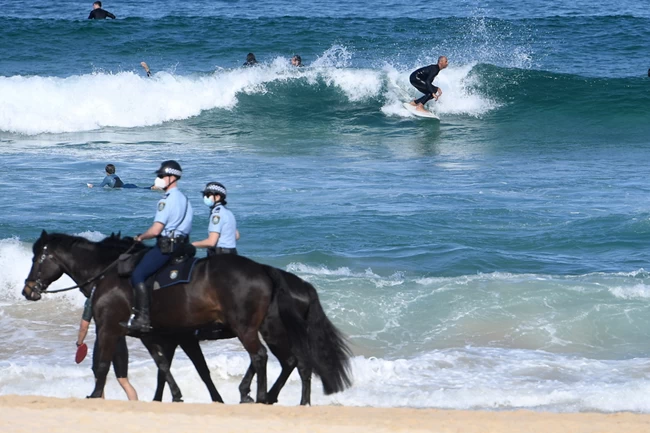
[(96, 277)]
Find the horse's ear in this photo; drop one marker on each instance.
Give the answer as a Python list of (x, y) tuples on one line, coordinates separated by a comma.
[(112, 235), (43, 234), (119, 234)]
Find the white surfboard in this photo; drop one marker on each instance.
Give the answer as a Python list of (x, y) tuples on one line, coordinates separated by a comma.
[(411, 109)]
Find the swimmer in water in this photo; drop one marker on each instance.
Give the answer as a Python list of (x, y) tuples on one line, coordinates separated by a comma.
[(112, 180), (250, 60), (98, 13), (296, 61)]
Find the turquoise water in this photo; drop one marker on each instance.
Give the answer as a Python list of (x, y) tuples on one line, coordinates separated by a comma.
[(494, 259)]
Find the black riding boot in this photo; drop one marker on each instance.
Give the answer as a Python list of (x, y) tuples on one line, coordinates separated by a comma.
[(139, 321)]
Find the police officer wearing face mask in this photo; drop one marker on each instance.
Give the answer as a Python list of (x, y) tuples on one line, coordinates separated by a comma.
[(171, 227), (222, 229)]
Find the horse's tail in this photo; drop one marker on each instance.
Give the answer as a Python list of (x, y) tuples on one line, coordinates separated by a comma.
[(330, 353), (314, 339)]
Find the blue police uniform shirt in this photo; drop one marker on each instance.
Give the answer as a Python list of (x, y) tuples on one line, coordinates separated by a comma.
[(171, 212), (112, 181), (222, 221)]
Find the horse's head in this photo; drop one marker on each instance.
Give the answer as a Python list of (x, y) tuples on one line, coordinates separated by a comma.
[(45, 269)]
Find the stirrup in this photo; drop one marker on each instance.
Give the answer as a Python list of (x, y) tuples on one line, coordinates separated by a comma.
[(134, 327)]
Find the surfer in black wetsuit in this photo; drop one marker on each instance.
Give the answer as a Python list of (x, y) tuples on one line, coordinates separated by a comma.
[(250, 60), (98, 13), (422, 79)]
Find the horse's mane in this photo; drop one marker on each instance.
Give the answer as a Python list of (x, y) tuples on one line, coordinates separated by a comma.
[(66, 241), (117, 242), (114, 243)]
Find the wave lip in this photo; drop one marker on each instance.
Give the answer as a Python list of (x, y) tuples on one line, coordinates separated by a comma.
[(36, 105)]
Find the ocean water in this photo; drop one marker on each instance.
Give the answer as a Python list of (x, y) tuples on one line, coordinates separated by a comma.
[(496, 259)]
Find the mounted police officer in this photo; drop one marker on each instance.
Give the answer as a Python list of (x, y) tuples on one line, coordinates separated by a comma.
[(171, 227), (222, 229)]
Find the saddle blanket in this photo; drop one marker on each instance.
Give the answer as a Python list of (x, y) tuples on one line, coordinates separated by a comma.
[(172, 273)]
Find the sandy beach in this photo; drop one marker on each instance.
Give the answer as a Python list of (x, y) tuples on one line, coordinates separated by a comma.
[(44, 414)]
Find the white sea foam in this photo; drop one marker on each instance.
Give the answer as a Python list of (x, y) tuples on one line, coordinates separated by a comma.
[(469, 378)]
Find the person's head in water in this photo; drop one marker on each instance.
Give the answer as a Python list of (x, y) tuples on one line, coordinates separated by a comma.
[(110, 169), (97, 5), (442, 62), (296, 60), (250, 59)]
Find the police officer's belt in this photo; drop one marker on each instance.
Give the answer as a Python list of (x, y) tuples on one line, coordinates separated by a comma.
[(168, 244), (220, 250)]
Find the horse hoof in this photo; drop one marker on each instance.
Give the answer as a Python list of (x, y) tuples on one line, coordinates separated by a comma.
[(177, 400), (246, 400)]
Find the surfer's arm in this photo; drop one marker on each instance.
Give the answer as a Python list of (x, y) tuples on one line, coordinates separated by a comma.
[(92, 15), (210, 241), (146, 68), (107, 181), (152, 232), (110, 15)]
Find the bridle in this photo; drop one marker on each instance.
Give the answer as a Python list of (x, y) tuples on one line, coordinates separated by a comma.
[(38, 285)]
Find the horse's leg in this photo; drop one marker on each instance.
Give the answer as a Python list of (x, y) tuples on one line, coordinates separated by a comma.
[(288, 363), (305, 377), (156, 351), (168, 349), (245, 385), (106, 342), (251, 341), (192, 348)]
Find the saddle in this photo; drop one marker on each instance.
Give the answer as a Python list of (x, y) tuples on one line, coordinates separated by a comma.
[(177, 270)]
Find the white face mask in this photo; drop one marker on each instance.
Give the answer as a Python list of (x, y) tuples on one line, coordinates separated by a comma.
[(160, 183)]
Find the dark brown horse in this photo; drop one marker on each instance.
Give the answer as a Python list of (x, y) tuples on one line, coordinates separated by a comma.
[(230, 289)]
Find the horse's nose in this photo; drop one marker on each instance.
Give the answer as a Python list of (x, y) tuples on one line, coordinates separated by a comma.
[(31, 295)]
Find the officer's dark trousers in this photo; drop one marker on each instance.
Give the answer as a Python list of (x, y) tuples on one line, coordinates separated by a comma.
[(150, 263)]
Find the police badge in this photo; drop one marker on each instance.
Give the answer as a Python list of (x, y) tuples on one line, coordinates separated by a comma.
[(215, 219), (161, 206), (173, 275)]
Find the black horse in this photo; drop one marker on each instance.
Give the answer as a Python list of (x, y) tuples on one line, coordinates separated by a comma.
[(229, 289)]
